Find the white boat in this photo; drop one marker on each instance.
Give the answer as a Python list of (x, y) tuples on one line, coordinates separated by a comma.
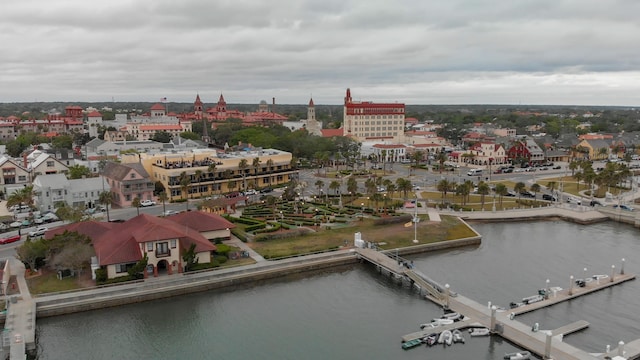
[(532, 299), (429, 326), (446, 337), (600, 277), (442, 321), (457, 336), (431, 339), (453, 316), (521, 355), (479, 332)]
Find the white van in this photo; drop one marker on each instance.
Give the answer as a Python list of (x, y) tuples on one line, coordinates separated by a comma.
[(474, 172)]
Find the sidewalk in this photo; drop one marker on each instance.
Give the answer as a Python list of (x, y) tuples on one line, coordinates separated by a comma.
[(234, 241)]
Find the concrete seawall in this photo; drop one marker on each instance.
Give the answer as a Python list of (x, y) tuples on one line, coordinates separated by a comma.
[(98, 298)]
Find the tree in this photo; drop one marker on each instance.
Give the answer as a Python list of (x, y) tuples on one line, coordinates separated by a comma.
[(189, 135), (352, 186), (552, 185), (519, 188), (442, 157), (68, 213), (501, 190), (31, 251), (483, 190), (136, 203), (535, 187), (78, 172), (404, 186), (62, 142), (335, 186), (161, 136), (137, 270), (22, 196), (256, 165), (269, 170), (444, 186), (242, 166), (319, 184), (184, 180), (69, 250), (190, 258), (106, 198), (163, 197)]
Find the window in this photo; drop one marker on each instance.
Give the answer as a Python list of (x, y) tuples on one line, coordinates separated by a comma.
[(22, 178), (133, 175), (121, 268), (50, 163), (149, 246), (173, 243), (162, 249)]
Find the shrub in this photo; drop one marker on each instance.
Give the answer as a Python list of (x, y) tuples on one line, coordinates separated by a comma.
[(223, 249), (101, 275), (220, 259), (393, 220)]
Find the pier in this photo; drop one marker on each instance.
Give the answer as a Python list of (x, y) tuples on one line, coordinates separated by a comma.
[(19, 335), (547, 344)]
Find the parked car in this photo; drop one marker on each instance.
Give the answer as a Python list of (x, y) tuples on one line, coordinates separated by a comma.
[(38, 232), (574, 200), (9, 239), (145, 203), (16, 224), (557, 167), (511, 193), (170, 212), (595, 203), (528, 194), (251, 192), (266, 190), (507, 170), (623, 207), (549, 197), (4, 226)]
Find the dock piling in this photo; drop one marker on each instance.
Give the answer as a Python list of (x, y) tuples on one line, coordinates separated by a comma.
[(613, 272), (621, 348), (493, 317), (547, 346), (571, 285), (622, 267)]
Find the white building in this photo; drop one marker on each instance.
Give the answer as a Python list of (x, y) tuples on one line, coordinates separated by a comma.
[(56, 188)]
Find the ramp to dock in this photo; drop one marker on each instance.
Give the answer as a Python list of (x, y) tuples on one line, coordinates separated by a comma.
[(570, 328), (380, 259), (436, 295)]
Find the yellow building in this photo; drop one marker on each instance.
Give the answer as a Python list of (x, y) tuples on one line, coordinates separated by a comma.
[(207, 172)]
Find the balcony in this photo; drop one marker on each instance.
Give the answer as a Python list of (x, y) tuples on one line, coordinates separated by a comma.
[(161, 253)]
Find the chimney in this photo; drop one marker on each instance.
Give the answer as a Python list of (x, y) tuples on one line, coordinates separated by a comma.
[(273, 104)]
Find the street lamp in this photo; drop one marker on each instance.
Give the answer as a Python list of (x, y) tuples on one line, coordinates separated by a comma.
[(281, 218), (362, 213)]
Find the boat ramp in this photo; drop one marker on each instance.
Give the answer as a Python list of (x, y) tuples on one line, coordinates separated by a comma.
[(545, 343)]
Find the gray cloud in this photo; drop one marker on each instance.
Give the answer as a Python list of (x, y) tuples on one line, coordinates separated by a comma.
[(458, 51)]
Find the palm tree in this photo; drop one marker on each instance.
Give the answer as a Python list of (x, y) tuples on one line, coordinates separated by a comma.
[(335, 186), (319, 184), (163, 197), (352, 186), (552, 185), (136, 203), (573, 166), (443, 186), (501, 190), (198, 175), (242, 166), (184, 181), (519, 188), (212, 174), (463, 190), (106, 198), (22, 196), (269, 169), (383, 153), (404, 186), (535, 187), (442, 157), (256, 165), (483, 189)]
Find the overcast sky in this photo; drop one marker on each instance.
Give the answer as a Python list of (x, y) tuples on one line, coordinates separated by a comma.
[(582, 52)]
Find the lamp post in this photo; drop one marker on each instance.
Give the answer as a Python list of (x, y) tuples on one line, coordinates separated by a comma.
[(362, 213), (281, 219)]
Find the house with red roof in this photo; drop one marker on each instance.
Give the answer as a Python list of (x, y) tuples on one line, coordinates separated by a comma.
[(119, 246), (127, 182), (212, 226)]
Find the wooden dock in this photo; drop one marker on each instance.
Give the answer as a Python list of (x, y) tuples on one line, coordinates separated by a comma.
[(570, 328), (380, 259), (631, 351), (462, 324)]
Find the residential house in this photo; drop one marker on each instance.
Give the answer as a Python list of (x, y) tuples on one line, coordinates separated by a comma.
[(119, 246), (525, 149), (594, 149), (41, 163), (485, 153), (56, 188), (14, 176), (212, 226), (127, 182)]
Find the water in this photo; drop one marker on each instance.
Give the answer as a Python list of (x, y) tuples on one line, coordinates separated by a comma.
[(354, 312)]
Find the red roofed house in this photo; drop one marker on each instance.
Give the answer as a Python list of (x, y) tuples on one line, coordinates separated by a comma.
[(119, 246), (485, 153), (127, 182), (212, 226)]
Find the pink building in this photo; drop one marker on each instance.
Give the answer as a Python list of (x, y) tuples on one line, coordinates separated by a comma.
[(127, 182)]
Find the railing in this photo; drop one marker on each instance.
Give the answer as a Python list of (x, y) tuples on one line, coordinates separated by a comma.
[(163, 254)]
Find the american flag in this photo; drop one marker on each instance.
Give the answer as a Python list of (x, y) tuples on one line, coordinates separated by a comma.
[(164, 99)]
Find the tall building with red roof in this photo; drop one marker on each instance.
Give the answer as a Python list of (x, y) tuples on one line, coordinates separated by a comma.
[(368, 121)]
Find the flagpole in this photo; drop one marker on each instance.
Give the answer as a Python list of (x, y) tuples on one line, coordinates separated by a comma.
[(415, 223)]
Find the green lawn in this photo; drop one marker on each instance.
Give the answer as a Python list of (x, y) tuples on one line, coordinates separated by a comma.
[(394, 235)]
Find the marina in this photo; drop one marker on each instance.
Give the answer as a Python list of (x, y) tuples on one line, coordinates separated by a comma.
[(547, 344)]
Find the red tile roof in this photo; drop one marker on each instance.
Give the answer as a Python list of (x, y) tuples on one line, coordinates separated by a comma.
[(202, 221), (158, 107), (332, 132), (161, 127), (94, 114)]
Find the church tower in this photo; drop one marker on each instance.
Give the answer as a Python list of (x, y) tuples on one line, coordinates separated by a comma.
[(221, 107), (197, 107), (314, 127)]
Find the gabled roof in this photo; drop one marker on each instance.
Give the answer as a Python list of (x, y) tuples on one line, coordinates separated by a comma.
[(119, 172), (599, 143), (94, 114), (202, 221)]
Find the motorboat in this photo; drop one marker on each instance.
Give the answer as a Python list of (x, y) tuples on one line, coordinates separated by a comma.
[(430, 325), (532, 299), (520, 355), (441, 322), (430, 339), (599, 277), (453, 316), (479, 332), (446, 337), (411, 344), (514, 305), (457, 336)]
